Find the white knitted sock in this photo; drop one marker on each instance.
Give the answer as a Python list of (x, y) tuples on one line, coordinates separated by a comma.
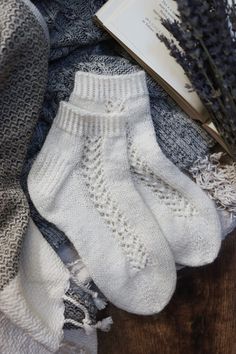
[(81, 182), (185, 214)]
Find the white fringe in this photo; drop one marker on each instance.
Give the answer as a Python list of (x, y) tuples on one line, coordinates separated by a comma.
[(104, 325), (217, 179)]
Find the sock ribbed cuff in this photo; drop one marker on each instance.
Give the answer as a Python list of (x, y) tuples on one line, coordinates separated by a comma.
[(77, 121), (100, 88)]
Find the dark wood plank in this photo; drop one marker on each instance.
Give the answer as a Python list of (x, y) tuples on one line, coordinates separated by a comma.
[(200, 319)]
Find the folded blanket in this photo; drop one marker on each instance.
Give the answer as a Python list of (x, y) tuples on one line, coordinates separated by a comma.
[(37, 291), (23, 74)]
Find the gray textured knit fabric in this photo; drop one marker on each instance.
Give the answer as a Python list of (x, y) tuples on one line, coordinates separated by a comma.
[(23, 73)]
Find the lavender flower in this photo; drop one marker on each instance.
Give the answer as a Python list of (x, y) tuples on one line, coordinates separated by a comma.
[(206, 35)]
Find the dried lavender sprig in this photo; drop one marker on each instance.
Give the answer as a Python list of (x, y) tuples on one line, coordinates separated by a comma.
[(193, 69), (204, 28), (187, 40), (199, 31)]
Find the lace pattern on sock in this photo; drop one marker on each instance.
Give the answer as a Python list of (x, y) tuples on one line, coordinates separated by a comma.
[(93, 174), (167, 195)]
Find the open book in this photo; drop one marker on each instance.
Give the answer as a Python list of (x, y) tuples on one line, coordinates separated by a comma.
[(134, 23)]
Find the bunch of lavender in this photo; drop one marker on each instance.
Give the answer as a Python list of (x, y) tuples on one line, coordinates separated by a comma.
[(206, 49)]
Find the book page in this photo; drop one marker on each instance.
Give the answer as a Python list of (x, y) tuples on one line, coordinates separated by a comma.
[(135, 23), (109, 8)]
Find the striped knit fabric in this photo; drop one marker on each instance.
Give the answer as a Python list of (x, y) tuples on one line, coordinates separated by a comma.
[(23, 73)]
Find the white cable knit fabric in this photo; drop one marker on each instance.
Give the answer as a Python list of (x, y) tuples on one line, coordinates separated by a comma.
[(14, 340), (81, 182), (187, 217), (33, 301)]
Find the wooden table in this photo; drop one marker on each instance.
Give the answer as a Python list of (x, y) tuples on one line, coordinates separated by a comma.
[(200, 319)]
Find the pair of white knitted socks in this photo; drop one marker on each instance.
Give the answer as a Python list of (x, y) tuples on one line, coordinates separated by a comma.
[(130, 213)]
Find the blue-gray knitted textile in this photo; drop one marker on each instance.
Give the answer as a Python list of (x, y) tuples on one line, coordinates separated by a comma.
[(78, 44)]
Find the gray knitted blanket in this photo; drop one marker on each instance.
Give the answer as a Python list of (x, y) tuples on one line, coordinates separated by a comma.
[(23, 74)]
